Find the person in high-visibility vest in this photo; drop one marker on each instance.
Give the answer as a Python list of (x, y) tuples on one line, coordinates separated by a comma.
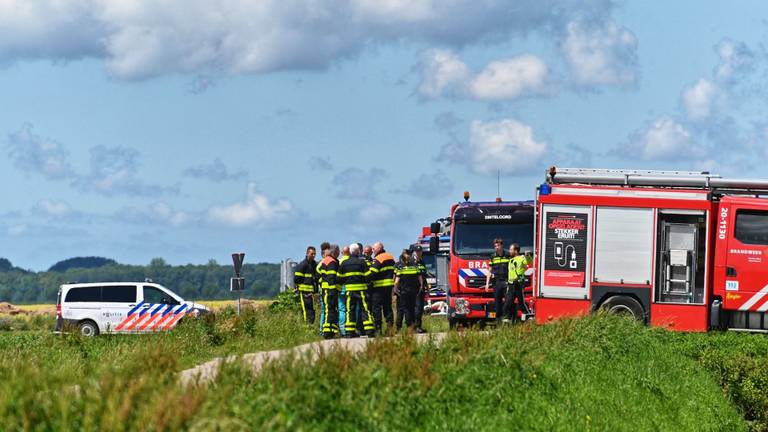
[(409, 282), (329, 268), (382, 281), (517, 265), (355, 275), (342, 307), (421, 296), (324, 247), (304, 278)]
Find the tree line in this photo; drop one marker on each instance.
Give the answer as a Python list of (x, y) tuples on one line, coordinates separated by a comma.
[(192, 282)]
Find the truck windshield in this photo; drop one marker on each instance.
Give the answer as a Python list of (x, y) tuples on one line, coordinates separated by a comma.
[(429, 261), (476, 239)]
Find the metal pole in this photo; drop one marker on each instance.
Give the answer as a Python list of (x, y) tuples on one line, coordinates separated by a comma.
[(238, 303)]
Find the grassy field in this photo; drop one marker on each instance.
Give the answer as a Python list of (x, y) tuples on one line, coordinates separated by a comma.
[(597, 373)]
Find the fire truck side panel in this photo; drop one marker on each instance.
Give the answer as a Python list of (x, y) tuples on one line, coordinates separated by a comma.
[(651, 245), (680, 317), (742, 279), (548, 309)]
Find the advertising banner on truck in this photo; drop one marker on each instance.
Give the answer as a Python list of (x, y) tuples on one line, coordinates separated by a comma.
[(565, 251)]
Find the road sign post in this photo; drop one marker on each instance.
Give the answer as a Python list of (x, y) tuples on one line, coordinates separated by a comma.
[(237, 283)]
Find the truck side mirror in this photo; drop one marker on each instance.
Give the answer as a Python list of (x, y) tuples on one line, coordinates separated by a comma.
[(434, 228), (434, 245)]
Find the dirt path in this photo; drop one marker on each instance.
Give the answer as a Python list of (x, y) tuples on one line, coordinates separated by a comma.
[(206, 372)]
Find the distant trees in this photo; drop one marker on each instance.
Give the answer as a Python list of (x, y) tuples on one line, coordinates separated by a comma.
[(208, 281), (81, 262)]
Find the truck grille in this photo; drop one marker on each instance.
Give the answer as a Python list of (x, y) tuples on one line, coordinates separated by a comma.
[(476, 282)]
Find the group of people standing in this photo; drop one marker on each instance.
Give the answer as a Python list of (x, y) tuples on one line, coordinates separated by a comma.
[(356, 287)]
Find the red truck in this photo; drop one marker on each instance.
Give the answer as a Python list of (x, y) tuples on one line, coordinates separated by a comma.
[(682, 250), (473, 226)]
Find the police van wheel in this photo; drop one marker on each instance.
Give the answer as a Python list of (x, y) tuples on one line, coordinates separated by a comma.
[(625, 306), (88, 328)]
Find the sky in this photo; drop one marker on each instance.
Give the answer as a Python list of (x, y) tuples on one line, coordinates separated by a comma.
[(191, 129)]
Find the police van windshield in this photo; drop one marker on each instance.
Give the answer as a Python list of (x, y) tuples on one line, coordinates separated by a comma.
[(476, 239)]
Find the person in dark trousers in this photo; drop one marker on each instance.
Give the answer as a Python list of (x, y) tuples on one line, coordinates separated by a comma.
[(305, 280), (499, 267), (421, 296), (409, 282), (517, 265), (355, 275), (400, 304), (329, 268), (382, 282)]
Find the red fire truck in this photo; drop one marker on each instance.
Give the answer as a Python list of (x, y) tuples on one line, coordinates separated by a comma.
[(473, 226), (683, 250)]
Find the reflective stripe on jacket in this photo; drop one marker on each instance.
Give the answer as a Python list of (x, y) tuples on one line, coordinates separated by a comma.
[(383, 270), (304, 276)]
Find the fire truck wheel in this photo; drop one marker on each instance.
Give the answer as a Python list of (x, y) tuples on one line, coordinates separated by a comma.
[(452, 323), (624, 305)]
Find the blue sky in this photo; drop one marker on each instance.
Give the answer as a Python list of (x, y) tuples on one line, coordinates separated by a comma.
[(193, 129)]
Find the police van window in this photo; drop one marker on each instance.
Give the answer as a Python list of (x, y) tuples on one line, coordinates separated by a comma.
[(119, 294), (155, 296), (752, 227), (84, 294)]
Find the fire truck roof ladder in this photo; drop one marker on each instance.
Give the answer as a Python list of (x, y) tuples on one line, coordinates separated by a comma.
[(663, 179)]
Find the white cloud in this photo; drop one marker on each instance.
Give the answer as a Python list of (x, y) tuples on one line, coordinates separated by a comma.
[(139, 40), (698, 99), (604, 54), (17, 229), (33, 153), (664, 139), (735, 57), (164, 212), (506, 145), (256, 209), (115, 170), (509, 79), (443, 73), (53, 208)]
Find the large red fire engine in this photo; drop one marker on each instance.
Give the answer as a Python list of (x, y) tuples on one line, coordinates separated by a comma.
[(683, 250), (473, 226)]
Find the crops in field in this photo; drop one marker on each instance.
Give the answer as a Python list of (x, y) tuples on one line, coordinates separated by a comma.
[(597, 373)]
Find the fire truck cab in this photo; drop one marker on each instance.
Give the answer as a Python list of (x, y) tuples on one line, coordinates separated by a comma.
[(682, 250), (474, 225)]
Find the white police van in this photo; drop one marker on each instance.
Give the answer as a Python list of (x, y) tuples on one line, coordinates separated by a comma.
[(120, 307)]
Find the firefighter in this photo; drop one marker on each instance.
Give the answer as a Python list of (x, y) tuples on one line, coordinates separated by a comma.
[(305, 279), (324, 247), (342, 307), (368, 254), (400, 304), (382, 282), (355, 275), (329, 284), (424, 291), (516, 271), (409, 282), (499, 268)]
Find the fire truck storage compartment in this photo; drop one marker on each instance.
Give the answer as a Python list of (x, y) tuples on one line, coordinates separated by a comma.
[(681, 255), (624, 245), (566, 237)]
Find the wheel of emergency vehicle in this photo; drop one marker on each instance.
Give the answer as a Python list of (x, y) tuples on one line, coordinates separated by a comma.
[(88, 328), (624, 305)]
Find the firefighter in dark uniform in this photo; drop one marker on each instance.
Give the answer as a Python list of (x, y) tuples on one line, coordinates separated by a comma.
[(305, 280), (382, 282), (499, 266), (409, 282), (421, 296), (328, 271), (355, 275)]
